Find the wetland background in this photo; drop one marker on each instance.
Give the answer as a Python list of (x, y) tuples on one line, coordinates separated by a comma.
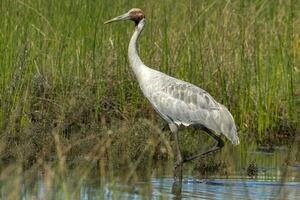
[(71, 109)]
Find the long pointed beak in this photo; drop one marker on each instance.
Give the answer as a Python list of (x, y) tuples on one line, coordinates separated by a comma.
[(119, 18)]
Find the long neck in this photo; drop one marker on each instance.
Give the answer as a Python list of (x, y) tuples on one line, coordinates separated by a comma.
[(134, 60)]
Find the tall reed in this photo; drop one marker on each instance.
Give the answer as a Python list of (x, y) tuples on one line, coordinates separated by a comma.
[(58, 56)]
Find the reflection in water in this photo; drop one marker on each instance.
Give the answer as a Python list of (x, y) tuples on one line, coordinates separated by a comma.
[(161, 188), (194, 189), (276, 177), (177, 189)]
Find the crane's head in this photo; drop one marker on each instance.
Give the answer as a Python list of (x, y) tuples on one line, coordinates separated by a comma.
[(134, 14)]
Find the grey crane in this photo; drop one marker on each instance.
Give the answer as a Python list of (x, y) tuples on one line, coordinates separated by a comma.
[(179, 103)]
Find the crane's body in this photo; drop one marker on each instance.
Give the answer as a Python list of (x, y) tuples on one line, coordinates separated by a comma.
[(178, 102)]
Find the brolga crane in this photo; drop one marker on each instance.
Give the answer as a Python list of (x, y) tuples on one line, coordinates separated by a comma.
[(179, 103)]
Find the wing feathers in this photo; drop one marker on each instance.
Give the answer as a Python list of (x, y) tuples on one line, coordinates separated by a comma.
[(187, 104)]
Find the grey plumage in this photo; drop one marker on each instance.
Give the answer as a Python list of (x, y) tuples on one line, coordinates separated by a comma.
[(185, 104), (176, 101)]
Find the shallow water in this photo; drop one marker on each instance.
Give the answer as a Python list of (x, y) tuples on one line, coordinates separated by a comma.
[(160, 188), (195, 189), (278, 177), (275, 179)]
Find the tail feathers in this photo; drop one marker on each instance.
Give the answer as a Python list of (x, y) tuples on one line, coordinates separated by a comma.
[(233, 138), (228, 127)]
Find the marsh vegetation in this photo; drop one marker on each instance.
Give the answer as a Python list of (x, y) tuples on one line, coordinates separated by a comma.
[(71, 107)]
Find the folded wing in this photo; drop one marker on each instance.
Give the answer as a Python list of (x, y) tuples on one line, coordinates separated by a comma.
[(186, 104)]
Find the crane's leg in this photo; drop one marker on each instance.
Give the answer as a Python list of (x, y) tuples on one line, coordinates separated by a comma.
[(219, 145), (179, 161)]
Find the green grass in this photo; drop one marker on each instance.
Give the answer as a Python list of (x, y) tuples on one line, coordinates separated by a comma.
[(65, 79), (57, 56)]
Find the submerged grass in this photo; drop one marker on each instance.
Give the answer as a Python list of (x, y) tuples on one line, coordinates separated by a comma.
[(68, 94)]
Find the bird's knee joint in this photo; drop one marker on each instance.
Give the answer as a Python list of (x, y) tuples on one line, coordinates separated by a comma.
[(173, 128)]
